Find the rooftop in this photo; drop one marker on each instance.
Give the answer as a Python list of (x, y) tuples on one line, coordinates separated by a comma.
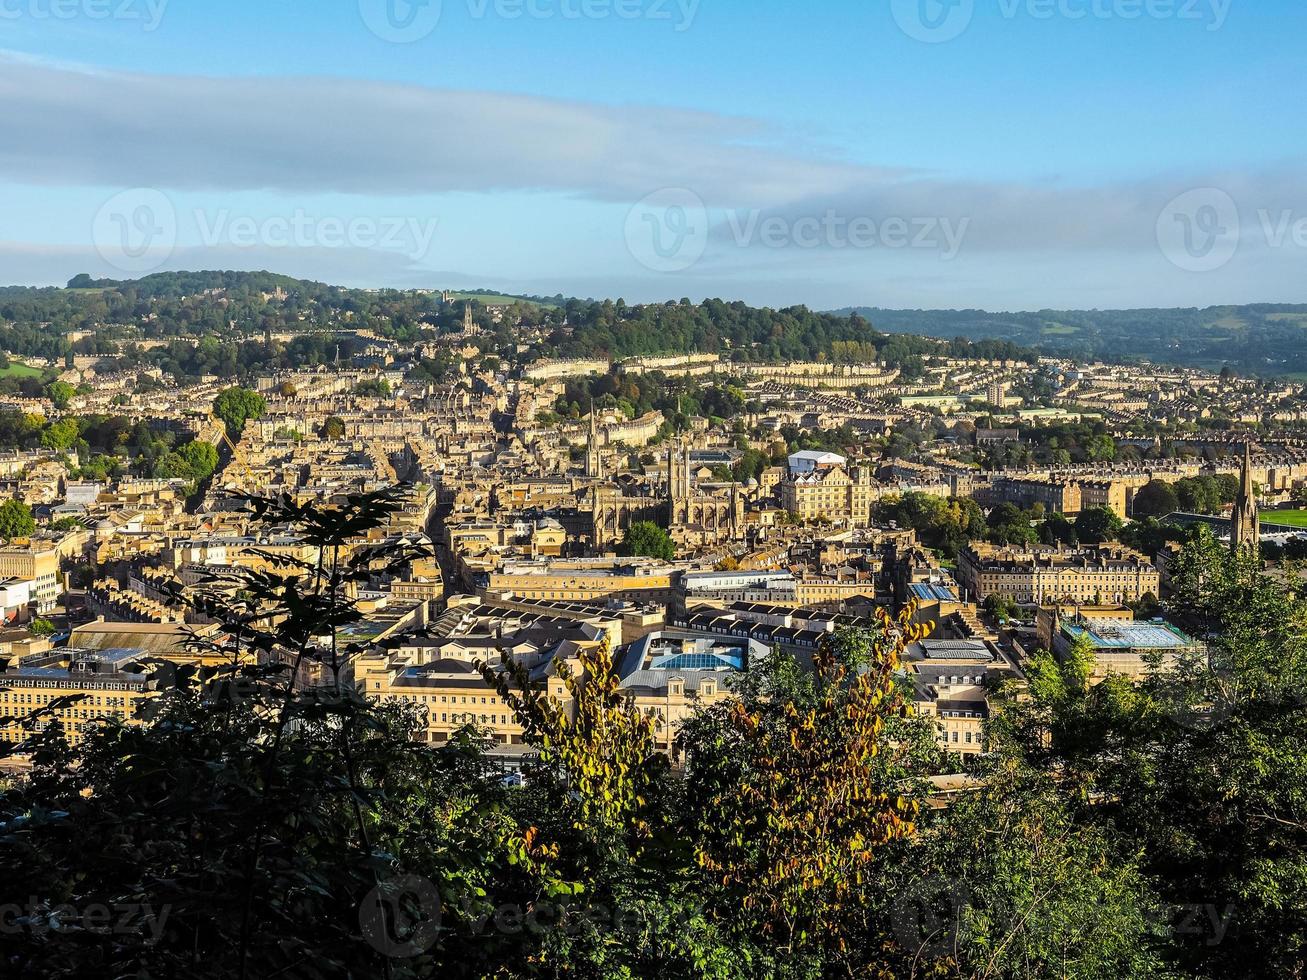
[(1124, 635)]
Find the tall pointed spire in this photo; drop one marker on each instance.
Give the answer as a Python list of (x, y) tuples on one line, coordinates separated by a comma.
[(1245, 523), (594, 462)]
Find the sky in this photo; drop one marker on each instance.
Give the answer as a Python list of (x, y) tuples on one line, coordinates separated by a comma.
[(997, 154)]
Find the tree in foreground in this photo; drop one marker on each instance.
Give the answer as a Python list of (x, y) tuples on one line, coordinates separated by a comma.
[(256, 827), (1200, 770), (794, 788)]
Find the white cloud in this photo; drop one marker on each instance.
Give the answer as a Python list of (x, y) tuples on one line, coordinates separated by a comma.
[(318, 135), (1026, 244)]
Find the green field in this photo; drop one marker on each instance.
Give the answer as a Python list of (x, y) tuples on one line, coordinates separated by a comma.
[(16, 370), (497, 299), (1294, 518)]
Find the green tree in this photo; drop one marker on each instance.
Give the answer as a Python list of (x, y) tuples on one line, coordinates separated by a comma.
[(16, 520), (1157, 498), (333, 428), (60, 394), (200, 457), (236, 406), (1199, 768), (1097, 525), (796, 787), (1000, 606), (647, 539), (41, 627), (61, 435), (1009, 882)]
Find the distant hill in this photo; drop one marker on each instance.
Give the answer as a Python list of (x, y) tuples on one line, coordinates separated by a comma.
[(1265, 338)]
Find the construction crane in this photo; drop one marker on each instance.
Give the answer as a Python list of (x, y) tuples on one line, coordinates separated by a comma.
[(237, 456)]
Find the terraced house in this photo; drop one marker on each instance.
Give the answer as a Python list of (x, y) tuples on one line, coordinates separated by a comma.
[(1107, 573)]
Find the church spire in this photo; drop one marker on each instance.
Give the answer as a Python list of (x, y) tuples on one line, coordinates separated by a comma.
[(594, 461), (1245, 523)]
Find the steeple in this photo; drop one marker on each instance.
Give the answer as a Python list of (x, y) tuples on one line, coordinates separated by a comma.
[(594, 462), (1245, 524)]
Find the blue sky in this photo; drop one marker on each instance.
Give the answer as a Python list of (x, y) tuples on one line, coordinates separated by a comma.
[(1008, 154)]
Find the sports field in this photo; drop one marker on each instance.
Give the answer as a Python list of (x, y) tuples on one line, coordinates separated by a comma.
[(1294, 518)]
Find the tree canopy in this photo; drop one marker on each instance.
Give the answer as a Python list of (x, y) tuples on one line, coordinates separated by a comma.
[(16, 520), (236, 406), (646, 539)]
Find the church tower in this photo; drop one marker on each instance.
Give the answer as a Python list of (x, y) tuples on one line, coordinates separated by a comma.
[(1245, 524), (469, 327), (678, 484)]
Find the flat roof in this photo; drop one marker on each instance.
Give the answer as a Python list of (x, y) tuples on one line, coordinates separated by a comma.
[(936, 593), (1124, 635)]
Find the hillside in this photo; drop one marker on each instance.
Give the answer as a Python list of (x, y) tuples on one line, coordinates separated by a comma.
[(233, 313), (1266, 339)]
